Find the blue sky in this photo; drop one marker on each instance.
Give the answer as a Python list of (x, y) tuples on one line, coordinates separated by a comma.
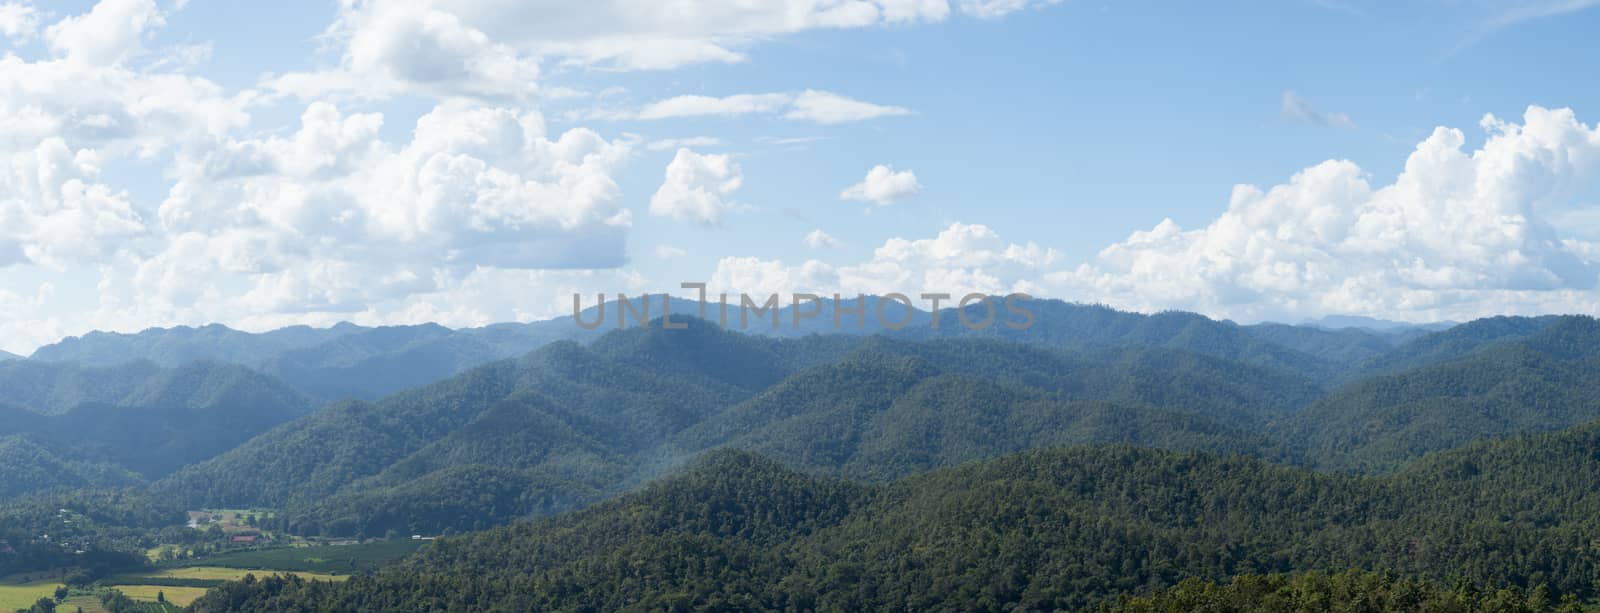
[(195, 162)]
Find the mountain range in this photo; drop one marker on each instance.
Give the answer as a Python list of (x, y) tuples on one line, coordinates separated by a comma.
[(765, 456)]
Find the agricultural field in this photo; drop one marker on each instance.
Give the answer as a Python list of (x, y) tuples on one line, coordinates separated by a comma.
[(180, 596), (90, 603), (16, 593), (231, 521), (318, 559), (216, 573)]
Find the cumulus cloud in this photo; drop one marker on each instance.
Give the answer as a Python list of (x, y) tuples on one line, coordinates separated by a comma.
[(1458, 235), (817, 239), (475, 186), (962, 258), (19, 21), (884, 186), (697, 188), (414, 47), (53, 212), (111, 32), (820, 107), (1293, 106)]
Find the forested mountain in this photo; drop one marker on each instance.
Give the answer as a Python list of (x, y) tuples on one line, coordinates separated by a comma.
[(1538, 381), (1454, 343), (30, 467), (1345, 592), (1041, 530), (1312, 353), (50, 389), (615, 400), (569, 424), (183, 344), (344, 361), (149, 424), (349, 361)]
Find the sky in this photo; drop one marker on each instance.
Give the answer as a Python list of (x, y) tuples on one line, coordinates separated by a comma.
[(170, 162)]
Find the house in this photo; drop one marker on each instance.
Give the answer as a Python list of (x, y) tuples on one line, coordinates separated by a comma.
[(244, 540)]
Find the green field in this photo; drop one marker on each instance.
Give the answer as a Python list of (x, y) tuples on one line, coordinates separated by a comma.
[(323, 559), (206, 577), (91, 604), (17, 595), (88, 602), (180, 596)]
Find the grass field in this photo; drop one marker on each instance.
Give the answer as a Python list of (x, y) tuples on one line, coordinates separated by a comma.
[(180, 596), (89, 604), (324, 559), (209, 576), (14, 595), (217, 573)]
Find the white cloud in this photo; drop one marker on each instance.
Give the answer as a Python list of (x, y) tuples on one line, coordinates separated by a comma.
[(108, 34), (696, 106), (815, 106), (647, 35), (476, 186), (817, 239), (1293, 106), (669, 252), (829, 108), (1458, 235), (19, 21), (884, 186), (676, 143), (995, 9), (412, 47), (63, 120), (697, 188), (962, 258), (52, 211)]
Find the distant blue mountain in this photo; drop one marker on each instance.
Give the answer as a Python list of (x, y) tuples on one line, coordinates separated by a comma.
[(1337, 322)]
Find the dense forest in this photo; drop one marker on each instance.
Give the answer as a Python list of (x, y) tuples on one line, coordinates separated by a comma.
[(1101, 459), (1041, 530)]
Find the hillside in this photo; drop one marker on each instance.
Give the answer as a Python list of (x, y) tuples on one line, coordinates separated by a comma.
[(51, 388), (152, 424), (30, 468), (1454, 343), (349, 361), (1540, 381), (568, 425), (1075, 526)]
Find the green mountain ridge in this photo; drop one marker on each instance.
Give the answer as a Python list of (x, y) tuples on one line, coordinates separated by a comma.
[(1076, 526)]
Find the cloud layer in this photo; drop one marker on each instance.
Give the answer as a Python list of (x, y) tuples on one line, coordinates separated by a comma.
[(1458, 235)]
